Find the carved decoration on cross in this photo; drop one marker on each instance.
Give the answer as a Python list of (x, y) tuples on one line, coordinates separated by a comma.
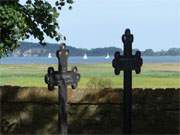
[(127, 61), (62, 76)]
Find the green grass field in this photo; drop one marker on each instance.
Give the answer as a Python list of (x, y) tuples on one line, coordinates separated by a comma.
[(152, 75)]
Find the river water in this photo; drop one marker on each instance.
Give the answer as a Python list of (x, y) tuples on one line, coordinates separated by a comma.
[(80, 60)]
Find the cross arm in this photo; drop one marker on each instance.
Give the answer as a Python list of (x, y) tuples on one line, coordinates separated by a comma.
[(122, 62), (56, 78)]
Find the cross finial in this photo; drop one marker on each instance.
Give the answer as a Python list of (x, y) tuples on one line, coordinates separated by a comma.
[(127, 36), (127, 39), (62, 54)]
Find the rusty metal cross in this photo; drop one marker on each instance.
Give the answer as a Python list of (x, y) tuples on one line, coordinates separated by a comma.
[(62, 78), (127, 63)]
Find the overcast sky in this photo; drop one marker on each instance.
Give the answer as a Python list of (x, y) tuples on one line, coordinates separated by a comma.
[(100, 23)]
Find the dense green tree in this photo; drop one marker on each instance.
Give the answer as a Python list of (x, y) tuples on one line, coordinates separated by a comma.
[(35, 18)]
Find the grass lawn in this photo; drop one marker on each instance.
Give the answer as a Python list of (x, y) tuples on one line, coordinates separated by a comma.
[(152, 75)]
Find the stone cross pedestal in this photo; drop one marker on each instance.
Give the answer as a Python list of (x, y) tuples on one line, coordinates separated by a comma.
[(62, 78), (127, 63)]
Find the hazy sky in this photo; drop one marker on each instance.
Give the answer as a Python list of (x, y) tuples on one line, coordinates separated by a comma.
[(100, 23)]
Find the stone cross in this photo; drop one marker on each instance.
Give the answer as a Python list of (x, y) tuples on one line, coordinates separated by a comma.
[(62, 78), (127, 63)]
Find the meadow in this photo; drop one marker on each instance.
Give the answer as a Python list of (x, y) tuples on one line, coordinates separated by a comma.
[(152, 75)]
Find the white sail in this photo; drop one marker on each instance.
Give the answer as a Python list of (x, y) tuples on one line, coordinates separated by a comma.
[(85, 56), (49, 55), (107, 56)]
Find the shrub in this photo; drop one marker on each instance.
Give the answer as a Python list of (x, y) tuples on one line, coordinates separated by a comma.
[(99, 83)]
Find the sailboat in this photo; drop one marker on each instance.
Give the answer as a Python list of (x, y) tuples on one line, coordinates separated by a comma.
[(49, 55), (85, 56), (107, 56)]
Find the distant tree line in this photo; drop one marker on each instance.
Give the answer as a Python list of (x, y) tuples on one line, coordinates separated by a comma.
[(33, 49), (170, 52)]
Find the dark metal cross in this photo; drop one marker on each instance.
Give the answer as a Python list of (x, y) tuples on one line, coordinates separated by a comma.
[(62, 78), (127, 63)]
